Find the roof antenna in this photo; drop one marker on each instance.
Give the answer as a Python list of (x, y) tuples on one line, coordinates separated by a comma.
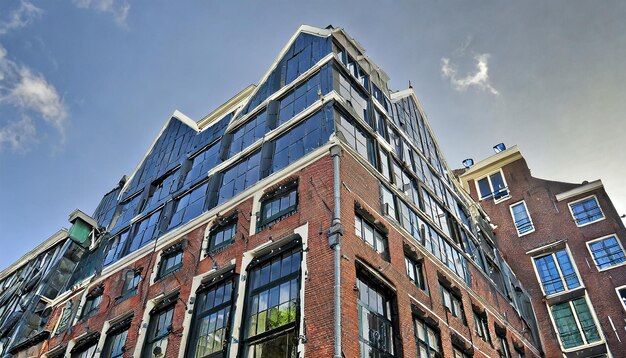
[(410, 85)]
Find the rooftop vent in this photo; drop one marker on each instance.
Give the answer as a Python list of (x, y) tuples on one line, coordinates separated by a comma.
[(468, 162), (499, 147)]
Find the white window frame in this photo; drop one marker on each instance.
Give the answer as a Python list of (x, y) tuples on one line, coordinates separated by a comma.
[(506, 185), (619, 297), (558, 268), (527, 214), (580, 329), (588, 243), (569, 205)]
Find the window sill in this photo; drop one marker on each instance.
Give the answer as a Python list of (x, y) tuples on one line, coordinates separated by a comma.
[(589, 223), (526, 233), (167, 274), (611, 267)]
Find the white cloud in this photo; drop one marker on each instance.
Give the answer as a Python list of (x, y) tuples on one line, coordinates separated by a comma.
[(118, 8), (17, 136), (479, 79), (20, 17), (35, 93)]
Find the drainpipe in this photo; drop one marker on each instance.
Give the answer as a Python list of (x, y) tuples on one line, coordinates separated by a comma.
[(334, 239)]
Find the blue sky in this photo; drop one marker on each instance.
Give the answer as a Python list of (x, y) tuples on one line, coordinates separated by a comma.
[(85, 85)]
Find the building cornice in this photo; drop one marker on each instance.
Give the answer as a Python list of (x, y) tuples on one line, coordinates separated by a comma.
[(597, 184)]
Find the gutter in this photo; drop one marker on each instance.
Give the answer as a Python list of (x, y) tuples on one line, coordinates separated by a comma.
[(334, 240)]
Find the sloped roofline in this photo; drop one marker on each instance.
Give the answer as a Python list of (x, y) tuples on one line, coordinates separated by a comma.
[(50, 242)]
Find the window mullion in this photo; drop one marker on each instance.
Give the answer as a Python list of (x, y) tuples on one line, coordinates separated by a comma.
[(558, 268), (580, 328)]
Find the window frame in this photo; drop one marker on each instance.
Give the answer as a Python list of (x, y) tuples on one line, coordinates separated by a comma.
[(417, 267), (266, 223), (230, 224), (438, 351), (566, 289), (619, 296), (202, 292), (152, 329), (94, 297), (375, 231), (592, 313), (164, 272), (569, 206), (389, 305), (112, 334), (247, 341), (619, 243), (454, 297), (482, 321), (530, 219), (491, 195), (129, 292)]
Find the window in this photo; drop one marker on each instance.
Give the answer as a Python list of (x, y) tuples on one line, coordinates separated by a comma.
[(131, 283), (88, 352), (222, 235), (280, 204), (452, 302), (414, 271), (621, 294), (211, 320), (145, 231), (239, 177), (302, 97), (116, 248), (302, 139), (575, 323), (65, 319), (556, 272), (161, 189), (358, 139), (389, 207), (585, 211), (503, 348), (375, 327), (92, 302), (272, 306), (171, 261), (493, 186), (606, 252), (204, 161), (115, 343), (248, 133), (355, 98), (521, 218), (159, 329), (457, 353), (371, 236), (427, 339), (189, 206), (482, 326)]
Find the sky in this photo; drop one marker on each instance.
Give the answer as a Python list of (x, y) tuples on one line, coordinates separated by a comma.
[(86, 85)]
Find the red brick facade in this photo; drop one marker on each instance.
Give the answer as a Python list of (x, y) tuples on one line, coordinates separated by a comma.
[(553, 221)]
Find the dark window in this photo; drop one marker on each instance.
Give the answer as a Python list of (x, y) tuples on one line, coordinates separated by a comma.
[(127, 211), (248, 133), (482, 326), (159, 329), (375, 325), (131, 282), (145, 231), (189, 206), (414, 271), (202, 163), (161, 189), (273, 307), (171, 261), (621, 293), (503, 348), (278, 206), (87, 352), (452, 302), (458, 353), (427, 339), (302, 97), (302, 139), (211, 320), (66, 317), (222, 235), (239, 177), (116, 248), (92, 302), (358, 139), (115, 343), (373, 237), (575, 323), (493, 186)]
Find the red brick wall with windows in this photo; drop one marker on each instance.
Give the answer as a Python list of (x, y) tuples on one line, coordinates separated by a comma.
[(553, 221)]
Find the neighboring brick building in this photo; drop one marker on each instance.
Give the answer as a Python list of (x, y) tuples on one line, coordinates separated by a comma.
[(225, 240), (565, 242)]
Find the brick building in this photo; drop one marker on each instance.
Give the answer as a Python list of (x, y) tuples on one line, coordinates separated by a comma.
[(311, 215), (565, 243)]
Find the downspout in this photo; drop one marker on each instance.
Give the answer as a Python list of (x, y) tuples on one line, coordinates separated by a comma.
[(334, 239)]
